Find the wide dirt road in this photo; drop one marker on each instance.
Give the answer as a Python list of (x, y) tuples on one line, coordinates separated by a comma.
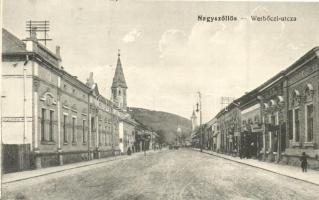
[(166, 175)]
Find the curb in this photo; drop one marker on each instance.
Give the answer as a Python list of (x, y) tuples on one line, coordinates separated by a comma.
[(259, 168), (61, 170), (114, 158)]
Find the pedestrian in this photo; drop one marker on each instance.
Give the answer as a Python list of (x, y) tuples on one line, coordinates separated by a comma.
[(241, 152), (129, 152), (304, 163)]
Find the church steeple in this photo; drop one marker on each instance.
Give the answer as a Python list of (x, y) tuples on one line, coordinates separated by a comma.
[(119, 79), (119, 86), (194, 120)]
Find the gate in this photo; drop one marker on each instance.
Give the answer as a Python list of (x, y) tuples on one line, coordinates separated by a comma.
[(16, 157)]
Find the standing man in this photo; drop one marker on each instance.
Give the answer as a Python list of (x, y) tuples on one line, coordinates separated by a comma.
[(304, 163)]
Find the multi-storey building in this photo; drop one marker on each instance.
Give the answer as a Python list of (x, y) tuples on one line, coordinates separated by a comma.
[(55, 117), (229, 121), (251, 135), (280, 118), (302, 105)]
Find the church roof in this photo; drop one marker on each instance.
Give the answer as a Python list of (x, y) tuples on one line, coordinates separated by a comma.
[(119, 79)]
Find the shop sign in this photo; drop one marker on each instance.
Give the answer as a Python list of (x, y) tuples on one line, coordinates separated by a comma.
[(16, 119)]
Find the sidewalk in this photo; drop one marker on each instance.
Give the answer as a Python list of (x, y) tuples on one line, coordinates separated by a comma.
[(311, 176), (18, 176)]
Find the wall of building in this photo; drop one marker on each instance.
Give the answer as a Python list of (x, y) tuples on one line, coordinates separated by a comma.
[(298, 82), (251, 137), (277, 97), (14, 86), (129, 136)]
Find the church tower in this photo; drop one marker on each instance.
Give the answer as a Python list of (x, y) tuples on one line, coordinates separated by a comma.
[(194, 120), (119, 86)]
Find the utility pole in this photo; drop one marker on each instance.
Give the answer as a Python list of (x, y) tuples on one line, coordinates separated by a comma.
[(199, 109), (24, 104)]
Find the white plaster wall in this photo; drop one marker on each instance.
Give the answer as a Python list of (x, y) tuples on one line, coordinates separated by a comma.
[(13, 133), (13, 103)]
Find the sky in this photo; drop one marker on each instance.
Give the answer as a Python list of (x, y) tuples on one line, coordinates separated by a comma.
[(166, 53)]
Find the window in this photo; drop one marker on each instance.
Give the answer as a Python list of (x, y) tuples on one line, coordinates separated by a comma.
[(290, 125), (43, 124), (83, 131), (92, 124), (256, 119), (65, 136), (297, 125), (310, 122), (273, 120), (51, 125), (73, 130)]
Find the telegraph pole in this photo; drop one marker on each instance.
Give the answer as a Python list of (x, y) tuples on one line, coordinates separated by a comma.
[(199, 109), (39, 26)]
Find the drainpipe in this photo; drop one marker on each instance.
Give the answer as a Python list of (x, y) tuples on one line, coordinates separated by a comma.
[(24, 98)]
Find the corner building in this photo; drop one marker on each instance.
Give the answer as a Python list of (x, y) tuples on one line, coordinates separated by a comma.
[(49, 117)]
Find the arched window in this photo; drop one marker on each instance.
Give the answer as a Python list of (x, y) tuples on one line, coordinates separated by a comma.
[(296, 97), (273, 102), (266, 105), (296, 93), (309, 112), (309, 91), (280, 100)]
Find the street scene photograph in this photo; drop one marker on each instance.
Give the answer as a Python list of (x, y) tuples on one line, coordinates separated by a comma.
[(159, 100)]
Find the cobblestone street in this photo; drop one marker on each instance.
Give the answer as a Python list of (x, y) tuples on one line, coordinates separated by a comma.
[(166, 174)]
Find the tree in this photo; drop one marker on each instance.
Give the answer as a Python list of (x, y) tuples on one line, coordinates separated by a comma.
[(161, 136)]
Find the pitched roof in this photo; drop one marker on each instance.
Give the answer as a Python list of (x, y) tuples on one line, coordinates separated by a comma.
[(119, 79), (12, 44)]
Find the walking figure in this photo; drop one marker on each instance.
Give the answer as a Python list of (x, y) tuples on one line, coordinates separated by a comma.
[(129, 151), (304, 163)]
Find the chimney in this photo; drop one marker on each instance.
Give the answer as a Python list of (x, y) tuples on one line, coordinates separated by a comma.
[(90, 81), (33, 34), (57, 51), (31, 42)]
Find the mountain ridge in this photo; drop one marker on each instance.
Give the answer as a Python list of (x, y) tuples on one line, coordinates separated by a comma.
[(164, 123)]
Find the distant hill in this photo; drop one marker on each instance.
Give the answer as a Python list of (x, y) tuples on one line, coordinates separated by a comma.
[(163, 122)]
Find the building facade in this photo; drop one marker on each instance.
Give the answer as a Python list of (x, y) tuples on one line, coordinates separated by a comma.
[(251, 135), (58, 118), (279, 120), (303, 109)]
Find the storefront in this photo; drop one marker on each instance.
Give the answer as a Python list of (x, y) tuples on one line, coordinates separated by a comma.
[(251, 140)]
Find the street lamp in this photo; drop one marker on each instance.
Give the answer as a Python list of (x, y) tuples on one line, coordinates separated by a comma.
[(199, 109)]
